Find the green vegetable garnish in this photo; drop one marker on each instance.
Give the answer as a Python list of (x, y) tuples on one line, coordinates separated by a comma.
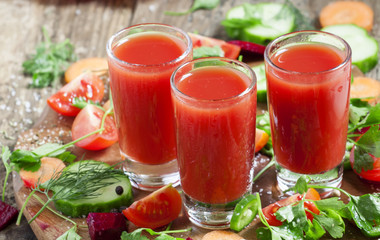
[(47, 65), (136, 235), (205, 51), (197, 5)]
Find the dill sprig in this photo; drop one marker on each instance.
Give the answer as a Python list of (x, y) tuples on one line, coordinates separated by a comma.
[(82, 183)]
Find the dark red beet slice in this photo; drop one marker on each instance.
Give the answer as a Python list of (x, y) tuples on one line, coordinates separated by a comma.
[(106, 225), (249, 47), (7, 214)]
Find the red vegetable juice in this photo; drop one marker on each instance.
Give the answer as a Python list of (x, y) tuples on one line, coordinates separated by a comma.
[(215, 124), (141, 95), (308, 103)]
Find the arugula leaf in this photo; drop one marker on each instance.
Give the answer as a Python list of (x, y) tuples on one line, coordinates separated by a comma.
[(70, 234), (205, 51), (47, 65), (197, 5)]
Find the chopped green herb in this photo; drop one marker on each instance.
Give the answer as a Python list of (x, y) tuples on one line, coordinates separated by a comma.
[(136, 235), (47, 65), (205, 51)]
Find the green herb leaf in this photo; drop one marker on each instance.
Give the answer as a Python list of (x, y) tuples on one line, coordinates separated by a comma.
[(197, 5), (47, 65), (332, 222), (26, 160), (136, 235), (82, 103), (205, 51), (373, 116), (358, 110), (70, 234), (330, 203), (315, 230)]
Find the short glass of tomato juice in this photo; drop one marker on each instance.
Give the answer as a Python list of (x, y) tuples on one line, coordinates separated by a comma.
[(215, 115), (141, 60), (308, 83)]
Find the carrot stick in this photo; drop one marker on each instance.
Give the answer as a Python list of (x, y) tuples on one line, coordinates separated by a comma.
[(98, 66), (343, 12)]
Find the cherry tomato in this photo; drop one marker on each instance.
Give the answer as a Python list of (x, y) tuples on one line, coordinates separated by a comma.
[(89, 120), (87, 86), (155, 210), (230, 50), (371, 175), (270, 210)]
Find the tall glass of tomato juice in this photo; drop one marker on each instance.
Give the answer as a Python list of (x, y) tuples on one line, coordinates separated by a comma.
[(308, 82), (215, 114), (141, 59)]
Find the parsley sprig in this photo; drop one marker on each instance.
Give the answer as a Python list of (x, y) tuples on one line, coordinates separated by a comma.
[(363, 115), (47, 65), (363, 210), (137, 234)]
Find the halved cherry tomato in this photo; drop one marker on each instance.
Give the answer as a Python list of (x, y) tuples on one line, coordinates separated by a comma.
[(371, 175), (155, 210), (269, 211), (230, 50), (87, 86), (261, 139), (89, 120)]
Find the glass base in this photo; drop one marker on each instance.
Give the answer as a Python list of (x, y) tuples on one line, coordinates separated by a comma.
[(209, 216), (287, 179), (151, 177)]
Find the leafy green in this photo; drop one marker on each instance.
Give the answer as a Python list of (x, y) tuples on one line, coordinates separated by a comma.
[(137, 234), (70, 234), (47, 65), (197, 5), (205, 51)]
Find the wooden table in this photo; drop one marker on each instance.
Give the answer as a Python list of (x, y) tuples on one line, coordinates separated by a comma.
[(89, 24)]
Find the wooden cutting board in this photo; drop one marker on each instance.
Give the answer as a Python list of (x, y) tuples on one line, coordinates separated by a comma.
[(53, 127)]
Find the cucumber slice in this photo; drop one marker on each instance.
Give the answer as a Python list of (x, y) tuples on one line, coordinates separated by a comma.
[(261, 82), (364, 47), (267, 22), (106, 198)]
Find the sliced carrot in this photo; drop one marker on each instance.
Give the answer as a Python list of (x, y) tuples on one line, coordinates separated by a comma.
[(49, 168), (261, 139), (342, 12), (98, 66), (366, 88), (221, 235)]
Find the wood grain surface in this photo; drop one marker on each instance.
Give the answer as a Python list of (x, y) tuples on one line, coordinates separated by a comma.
[(89, 24)]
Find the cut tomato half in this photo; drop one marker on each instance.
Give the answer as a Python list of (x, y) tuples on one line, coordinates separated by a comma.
[(155, 210), (89, 120), (87, 86), (230, 50)]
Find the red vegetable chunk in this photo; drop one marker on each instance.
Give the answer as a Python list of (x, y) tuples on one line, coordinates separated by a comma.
[(249, 47), (106, 225), (7, 214)]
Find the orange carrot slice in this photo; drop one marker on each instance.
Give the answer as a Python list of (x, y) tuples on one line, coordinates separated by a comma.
[(49, 167), (343, 12), (367, 88), (221, 235), (98, 66), (261, 139)]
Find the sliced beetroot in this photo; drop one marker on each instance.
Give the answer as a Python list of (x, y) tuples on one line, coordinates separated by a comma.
[(106, 225), (249, 47), (7, 214)]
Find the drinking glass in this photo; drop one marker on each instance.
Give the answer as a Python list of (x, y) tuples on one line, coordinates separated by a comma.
[(215, 114), (141, 59), (308, 83)]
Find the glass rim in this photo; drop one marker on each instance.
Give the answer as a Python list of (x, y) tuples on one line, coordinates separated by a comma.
[(347, 51), (110, 52), (250, 87)]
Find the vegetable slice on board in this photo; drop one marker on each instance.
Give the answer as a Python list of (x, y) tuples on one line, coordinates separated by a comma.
[(89, 120), (244, 213), (230, 50), (86, 86), (364, 47), (49, 167), (157, 209), (342, 12), (98, 66), (366, 88)]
